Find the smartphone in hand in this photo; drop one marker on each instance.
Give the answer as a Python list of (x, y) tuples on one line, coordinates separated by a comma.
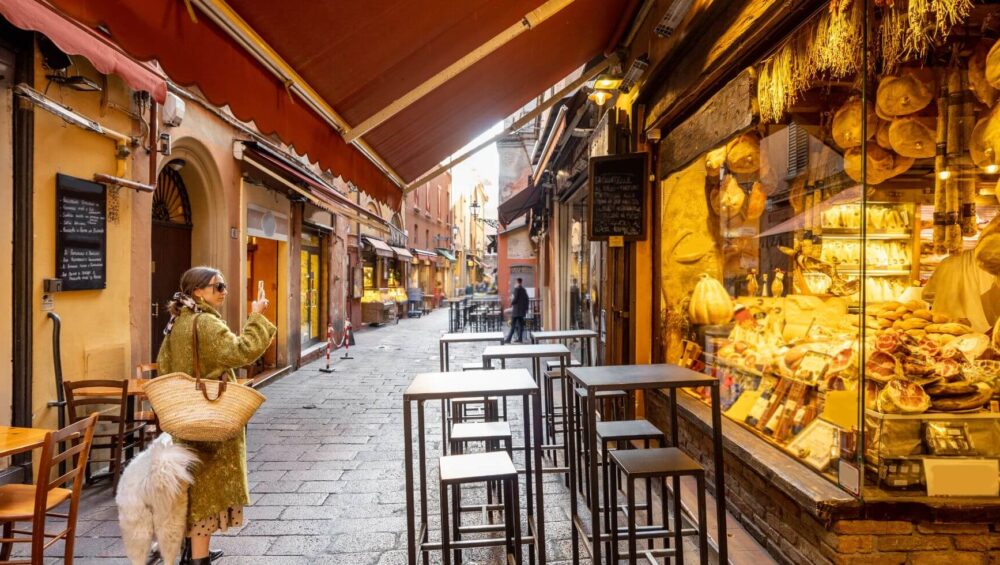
[(260, 291)]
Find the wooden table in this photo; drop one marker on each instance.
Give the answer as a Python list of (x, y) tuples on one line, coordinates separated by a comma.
[(587, 337), (446, 386), (631, 378), (18, 440)]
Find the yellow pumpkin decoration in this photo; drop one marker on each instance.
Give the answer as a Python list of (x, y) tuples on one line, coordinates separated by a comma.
[(710, 303)]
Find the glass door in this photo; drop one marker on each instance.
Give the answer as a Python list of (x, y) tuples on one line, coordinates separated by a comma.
[(311, 285)]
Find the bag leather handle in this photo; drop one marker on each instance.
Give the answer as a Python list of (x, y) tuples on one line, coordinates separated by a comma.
[(198, 384)]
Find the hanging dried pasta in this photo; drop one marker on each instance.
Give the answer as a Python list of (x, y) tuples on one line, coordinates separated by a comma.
[(909, 28), (829, 47)]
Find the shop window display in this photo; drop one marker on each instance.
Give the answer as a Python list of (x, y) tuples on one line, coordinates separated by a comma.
[(840, 273)]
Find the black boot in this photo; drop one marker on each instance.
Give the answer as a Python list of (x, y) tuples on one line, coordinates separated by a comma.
[(213, 554), (201, 561)]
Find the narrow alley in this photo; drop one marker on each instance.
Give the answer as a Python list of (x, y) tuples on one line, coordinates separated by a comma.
[(326, 465)]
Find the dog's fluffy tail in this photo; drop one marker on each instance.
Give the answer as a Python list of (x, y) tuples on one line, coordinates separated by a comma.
[(152, 499)]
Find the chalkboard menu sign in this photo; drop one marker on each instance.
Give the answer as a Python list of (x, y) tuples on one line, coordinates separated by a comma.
[(618, 195), (81, 234)]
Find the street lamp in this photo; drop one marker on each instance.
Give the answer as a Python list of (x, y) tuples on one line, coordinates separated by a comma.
[(475, 209)]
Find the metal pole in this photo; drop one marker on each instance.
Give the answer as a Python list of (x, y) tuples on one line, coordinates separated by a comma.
[(60, 403)]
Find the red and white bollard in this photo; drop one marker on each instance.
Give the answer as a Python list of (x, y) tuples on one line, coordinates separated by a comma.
[(347, 340), (329, 347)]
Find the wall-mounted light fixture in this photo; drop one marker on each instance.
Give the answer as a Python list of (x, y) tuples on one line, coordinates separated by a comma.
[(599, 97), (607, 81)]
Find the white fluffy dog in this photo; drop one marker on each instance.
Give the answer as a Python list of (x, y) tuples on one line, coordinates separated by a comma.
[(152, 500)]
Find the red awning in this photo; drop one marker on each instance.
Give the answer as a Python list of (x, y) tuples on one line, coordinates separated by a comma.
[(74, 39), (359, 58)]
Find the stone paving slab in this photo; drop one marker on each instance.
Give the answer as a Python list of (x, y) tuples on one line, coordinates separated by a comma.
[(326, 472)]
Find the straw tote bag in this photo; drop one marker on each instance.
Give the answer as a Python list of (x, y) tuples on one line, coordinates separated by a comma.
[(193, 409)]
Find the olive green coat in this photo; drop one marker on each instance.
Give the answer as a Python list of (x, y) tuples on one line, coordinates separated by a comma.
[(220, 480)]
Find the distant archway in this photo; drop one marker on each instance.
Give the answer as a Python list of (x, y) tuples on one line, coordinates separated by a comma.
[(188, 213)]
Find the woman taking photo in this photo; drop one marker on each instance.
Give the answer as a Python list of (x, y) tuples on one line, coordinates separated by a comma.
[(219, 490)]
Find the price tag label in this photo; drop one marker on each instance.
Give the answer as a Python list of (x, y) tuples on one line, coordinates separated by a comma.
[(616, 241)]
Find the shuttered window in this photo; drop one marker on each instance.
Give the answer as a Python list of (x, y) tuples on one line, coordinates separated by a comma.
[(798, 150)]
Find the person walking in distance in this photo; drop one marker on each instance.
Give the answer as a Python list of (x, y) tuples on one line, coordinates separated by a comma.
[(519, 309)]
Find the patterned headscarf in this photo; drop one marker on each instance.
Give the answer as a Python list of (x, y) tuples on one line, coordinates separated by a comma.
[(187, 302)]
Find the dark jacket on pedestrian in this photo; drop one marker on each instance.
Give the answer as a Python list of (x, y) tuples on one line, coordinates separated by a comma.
[(519, 304)]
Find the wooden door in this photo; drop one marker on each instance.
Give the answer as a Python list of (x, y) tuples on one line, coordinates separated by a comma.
[(171, 248), (171, 257)]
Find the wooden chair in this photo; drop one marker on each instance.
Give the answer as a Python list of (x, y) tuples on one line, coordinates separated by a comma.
[(145, 414), (34, 503), (125, 434)]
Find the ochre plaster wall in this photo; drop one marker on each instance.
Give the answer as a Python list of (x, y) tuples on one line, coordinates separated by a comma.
[(96, 338)]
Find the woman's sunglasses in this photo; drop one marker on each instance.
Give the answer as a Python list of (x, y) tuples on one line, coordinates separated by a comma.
[(219, 287)]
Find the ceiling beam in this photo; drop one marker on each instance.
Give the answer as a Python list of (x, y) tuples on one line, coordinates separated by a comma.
[(570, 88), (240, 31), (530, 20)]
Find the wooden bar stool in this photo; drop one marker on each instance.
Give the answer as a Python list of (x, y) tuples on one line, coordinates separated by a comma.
[(458, 470), (623, 433), (658, 463)]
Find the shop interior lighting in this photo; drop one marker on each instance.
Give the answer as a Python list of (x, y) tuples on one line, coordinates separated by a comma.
[(992, 167), (944, 174), (634, 73), (672, 18)]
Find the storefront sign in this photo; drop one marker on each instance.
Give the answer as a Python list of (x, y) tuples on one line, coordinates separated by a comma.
[(618, 195), (81, 234)]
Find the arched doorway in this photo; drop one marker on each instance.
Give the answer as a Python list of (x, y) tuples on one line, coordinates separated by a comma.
[(171, 244)]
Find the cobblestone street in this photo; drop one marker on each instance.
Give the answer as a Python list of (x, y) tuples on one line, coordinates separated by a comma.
[(325, 461)]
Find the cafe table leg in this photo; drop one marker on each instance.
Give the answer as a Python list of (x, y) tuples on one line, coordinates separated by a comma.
[(674, 433), (443, 362), (566, 387), (595, 496), (421, 449), (720, 479), (539, 533), (573, 503), (411, 549)]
